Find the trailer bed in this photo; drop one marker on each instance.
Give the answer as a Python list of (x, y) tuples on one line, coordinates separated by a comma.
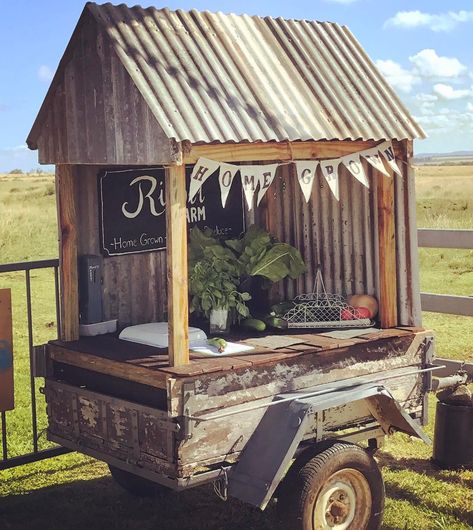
[(109, 397), (149, 365)]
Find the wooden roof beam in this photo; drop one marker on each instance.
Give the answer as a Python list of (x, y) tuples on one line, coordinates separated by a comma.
[(245, 152)]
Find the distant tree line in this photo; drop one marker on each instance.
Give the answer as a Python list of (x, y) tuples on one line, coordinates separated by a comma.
[(34, 171)]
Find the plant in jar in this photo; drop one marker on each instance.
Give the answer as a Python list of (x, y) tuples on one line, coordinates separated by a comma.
[(214, 277)]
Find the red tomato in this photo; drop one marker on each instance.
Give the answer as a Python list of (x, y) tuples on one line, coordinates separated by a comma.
[(347, 314), (362, 312)]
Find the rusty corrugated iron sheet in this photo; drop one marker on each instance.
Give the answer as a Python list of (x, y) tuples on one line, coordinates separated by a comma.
[(211, 77)]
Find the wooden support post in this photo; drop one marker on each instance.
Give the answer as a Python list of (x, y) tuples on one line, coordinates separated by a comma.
[(176, 253), (7, 401), (67, 225), (387, 252)]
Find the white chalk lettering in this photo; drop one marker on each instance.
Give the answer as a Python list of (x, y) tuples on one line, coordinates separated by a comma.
[(141, 200)]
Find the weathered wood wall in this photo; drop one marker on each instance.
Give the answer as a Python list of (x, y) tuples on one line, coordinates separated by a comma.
[(94, 114), (134, 285), (339, 237)]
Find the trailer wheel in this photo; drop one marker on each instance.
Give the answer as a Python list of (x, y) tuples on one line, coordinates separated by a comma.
[(341, 488), (136, 485)]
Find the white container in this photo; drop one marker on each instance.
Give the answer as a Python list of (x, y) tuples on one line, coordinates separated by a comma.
[(99, 328), (156, 334), (219, 321)]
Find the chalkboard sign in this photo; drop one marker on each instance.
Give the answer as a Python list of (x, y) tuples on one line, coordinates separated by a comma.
[(133, 210)]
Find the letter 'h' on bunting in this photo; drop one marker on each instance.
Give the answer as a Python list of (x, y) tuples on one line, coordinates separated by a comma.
[(201, 172)]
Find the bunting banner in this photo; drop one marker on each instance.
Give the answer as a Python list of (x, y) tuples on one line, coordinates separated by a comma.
[(306, 170), (354, 166), (201, 172), (329, 170), (265, 179), (256, 179), (386, 149), (373, 158), (225, 179), (249, 180)]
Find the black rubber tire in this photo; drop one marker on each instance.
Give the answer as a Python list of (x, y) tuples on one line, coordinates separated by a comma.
[(298, 494), (136, 485)]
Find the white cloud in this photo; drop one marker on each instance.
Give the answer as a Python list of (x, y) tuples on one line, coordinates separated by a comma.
[(425, 98), (456, 124), (448, 92), (435, 22), (428, 64), (396, 75), (469, 107), (45, 73)]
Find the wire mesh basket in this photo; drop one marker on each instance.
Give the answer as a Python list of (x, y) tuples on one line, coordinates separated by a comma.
[(322, 310)]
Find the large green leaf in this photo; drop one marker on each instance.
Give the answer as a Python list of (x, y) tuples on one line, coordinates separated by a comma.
[(273, 265)]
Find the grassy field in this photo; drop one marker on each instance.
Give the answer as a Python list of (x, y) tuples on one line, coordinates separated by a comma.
[(75, 492), (445, 200)]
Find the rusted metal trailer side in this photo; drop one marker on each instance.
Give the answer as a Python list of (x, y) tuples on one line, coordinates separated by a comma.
[(206, 419)]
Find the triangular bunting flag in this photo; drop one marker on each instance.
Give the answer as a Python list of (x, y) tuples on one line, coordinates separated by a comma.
[(265, 178), (225, 179), (306, 175), (330, 172), (373, 158), (249, 180), (355, 167), (386, 149), (201, 172)]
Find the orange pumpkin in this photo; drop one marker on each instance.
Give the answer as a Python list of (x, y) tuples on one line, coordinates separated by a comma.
[(364, 300)]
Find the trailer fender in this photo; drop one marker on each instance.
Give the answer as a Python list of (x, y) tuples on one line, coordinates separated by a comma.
[(268, 454)]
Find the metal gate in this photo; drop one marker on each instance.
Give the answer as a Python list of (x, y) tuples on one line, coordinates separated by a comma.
[(36, 453)]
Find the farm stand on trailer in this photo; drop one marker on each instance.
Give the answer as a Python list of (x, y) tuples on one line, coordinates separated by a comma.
[(144, 105)]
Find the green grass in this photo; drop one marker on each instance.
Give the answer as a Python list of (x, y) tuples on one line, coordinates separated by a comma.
[(76, 492), (445, 200)]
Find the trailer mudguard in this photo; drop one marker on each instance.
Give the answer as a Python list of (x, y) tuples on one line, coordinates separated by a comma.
[(268, 453)]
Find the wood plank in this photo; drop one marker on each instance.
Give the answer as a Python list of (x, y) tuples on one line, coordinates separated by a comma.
[(67, 225), (445, 238), (387, 252), (448, 304), (217, 390), (246, 152), (206, 366), (7, 394), (266, 358), (326, 343), (388, 333), (101, 365), (176, 253)]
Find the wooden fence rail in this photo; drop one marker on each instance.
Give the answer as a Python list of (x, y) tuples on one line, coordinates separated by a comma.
[(446, 238)]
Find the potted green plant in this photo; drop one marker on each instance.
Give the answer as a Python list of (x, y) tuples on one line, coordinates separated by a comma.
[(214, 278), (222, 271)]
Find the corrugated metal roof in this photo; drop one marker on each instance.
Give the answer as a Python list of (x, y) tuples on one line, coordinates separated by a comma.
[(212, 77)]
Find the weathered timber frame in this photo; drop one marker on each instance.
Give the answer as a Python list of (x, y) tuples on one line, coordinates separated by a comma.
[(176, 252), (177, 232)]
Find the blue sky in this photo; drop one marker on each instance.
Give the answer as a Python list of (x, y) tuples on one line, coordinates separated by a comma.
[(424, 48)]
